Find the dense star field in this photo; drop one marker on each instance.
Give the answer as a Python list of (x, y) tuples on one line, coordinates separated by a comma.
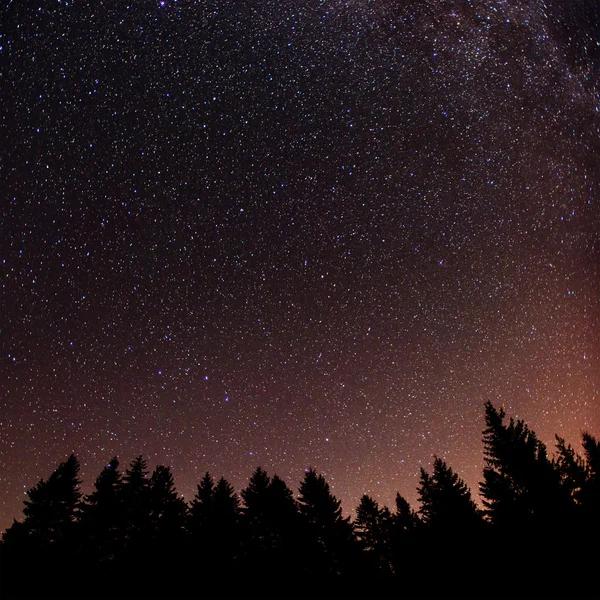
[(295, 233)]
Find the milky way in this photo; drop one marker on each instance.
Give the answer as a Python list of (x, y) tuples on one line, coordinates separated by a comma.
[(295, 233)]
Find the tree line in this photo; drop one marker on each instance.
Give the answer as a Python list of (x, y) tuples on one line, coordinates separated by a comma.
[(537, 530)]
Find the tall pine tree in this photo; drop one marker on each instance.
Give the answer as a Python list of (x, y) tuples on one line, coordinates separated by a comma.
[(521, 487), (255, 516), (35, 550), (168, 511), (201, 512), (373, 527), (102, 519), (446, 503), (52, 508), (137, 507), (332, 534), (404, 538)]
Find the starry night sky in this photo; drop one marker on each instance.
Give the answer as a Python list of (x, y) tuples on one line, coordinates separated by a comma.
[(294, 233)]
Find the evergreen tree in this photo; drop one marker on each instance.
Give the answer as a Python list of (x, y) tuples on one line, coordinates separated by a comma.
[(373, 527), (591, 448), (213, 526), (202, 508), (572, 469), (589, 496), (256, 499), (224, 539), (521, 486), (33, 550), (405, 519), (282, 506), (404, 538), (332, 534), (52, 508), (167, 509), (370, 522), (446, 503), (580, 481), (283, 524), (102, 517), (226, 505), (136, 506), (254, 517)]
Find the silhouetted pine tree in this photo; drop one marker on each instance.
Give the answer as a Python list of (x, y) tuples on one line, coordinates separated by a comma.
[(580, 483), (332, 535), (46, 538), (446, 503), (288, 539), (201, 512), (405, 547), (526, 497), (256, 500), (405, 518), (102, 520), (373, 527), (451, 525), (572, 469), (589, 502), (212, 524), (225, 544), (52, 508), (270, 524), (521, 486), (168, 513), (282, 505), (590, 493), (137, 507), (254, 516)]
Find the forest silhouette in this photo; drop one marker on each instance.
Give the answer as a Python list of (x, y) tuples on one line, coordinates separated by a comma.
[(537, 532)]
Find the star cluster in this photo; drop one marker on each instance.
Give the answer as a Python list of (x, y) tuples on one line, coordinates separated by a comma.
[(293, 234)]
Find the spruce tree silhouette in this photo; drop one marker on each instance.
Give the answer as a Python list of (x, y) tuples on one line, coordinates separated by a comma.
[(335, 549), (225, 542), (286, 534), (373, 527), (525, 496), (405, 519), (254, 519), (212, 524), (271, 528), (168, 510), (451, 523), (256, 503), (136, 509), (575, 474), (47, 536), (590, 493), (581, 479), (227, 504), (201, 512), (521, 488), (405, 547), (52, 507), (572, 468), (201, 525), (446, 503), (102, 519)]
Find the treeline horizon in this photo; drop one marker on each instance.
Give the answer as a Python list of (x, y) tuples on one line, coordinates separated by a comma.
[(135, 535)]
